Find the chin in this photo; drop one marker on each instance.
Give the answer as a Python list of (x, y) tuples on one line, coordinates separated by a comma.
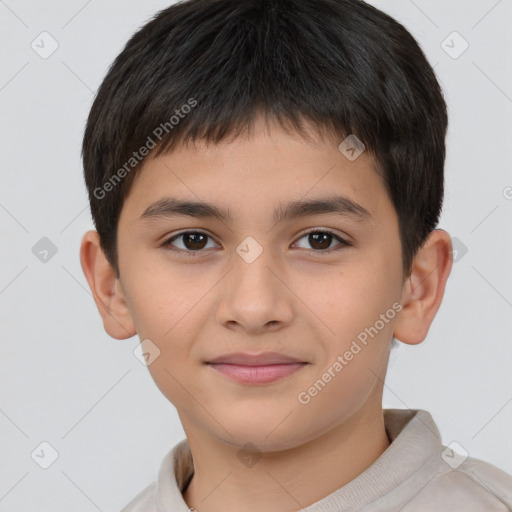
[(262, 436)]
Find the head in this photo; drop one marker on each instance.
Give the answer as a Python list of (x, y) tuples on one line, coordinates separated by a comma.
[(244, 105)]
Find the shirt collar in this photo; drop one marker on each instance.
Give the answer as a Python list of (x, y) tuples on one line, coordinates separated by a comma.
[(415, 442)]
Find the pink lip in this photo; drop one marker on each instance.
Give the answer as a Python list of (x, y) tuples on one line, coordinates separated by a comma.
[(257, 374), (261, 359)]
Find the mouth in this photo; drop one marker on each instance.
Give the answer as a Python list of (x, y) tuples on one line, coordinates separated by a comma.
[(257, 374), (262, 368)]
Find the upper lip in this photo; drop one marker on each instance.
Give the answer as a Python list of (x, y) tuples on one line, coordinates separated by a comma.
[(246, 359)]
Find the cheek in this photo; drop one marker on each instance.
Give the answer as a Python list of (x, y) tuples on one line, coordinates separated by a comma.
[(163, 300), (353, 298), (165, 306), (355, 318)]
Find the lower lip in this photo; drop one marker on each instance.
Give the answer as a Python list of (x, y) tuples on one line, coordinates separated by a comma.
[(257, 374)]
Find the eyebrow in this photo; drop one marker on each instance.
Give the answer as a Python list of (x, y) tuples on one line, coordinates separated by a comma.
[(170, 207)]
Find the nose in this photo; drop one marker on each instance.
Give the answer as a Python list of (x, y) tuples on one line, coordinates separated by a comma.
[(254, 296)]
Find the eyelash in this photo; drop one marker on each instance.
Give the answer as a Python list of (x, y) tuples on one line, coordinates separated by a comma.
[(166, 244)]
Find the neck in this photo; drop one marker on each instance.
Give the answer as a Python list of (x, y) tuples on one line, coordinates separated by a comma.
[(320, 467)]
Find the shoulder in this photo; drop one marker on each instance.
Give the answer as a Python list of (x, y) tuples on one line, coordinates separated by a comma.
[(145, 501), (474, 485), (165, 492)]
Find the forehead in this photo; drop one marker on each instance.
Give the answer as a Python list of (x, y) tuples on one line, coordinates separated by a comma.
[(270, 171)]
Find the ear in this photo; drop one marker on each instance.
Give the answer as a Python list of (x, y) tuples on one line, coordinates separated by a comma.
[(106, 288), (424, 289)]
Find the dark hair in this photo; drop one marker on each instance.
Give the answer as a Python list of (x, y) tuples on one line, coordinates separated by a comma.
[(204, 69)]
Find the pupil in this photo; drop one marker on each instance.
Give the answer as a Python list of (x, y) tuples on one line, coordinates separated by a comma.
[(322, 240), (195, 237), (316, 238)]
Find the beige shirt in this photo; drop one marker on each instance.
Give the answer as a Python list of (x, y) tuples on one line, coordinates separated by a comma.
[(415, 474)]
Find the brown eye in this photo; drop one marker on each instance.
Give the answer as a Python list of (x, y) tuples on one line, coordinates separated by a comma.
[(191, 242), (321, 241), (194, 241)]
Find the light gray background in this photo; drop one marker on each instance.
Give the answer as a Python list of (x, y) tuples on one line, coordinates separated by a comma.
[(65, 381)]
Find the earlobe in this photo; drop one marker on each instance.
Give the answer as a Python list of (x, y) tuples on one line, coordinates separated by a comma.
[(107, 291), (424, 289)]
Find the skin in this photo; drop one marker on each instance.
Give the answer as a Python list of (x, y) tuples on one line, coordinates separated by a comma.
[(293, 299)]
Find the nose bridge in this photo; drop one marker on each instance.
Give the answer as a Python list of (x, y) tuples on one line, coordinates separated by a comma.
[(254, 296), (252, 274)]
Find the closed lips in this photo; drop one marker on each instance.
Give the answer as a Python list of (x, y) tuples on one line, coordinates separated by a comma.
[(263, 359)]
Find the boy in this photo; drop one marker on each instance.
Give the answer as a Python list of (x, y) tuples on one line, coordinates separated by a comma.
[(229, 142)]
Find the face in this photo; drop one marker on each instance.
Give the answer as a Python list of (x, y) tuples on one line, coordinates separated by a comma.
[(321, 285)]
